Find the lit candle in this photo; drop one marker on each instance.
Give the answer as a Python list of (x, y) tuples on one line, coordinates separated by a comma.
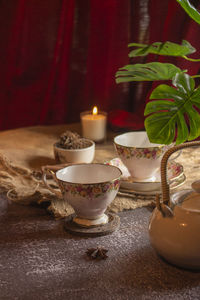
[(94, 124)]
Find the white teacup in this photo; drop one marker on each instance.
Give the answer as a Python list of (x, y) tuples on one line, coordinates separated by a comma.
[(141, 157), (88, 188)]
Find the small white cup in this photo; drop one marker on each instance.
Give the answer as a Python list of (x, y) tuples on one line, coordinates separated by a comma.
[(82, 155)]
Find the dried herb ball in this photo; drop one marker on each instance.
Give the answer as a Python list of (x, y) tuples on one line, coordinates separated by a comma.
[(72, 140)]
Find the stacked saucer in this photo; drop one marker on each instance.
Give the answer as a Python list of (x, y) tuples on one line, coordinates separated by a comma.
[(151, 186)]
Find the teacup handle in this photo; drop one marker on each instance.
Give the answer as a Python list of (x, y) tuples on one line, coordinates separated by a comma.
[(46, 171), (176, 156), (178, 153)]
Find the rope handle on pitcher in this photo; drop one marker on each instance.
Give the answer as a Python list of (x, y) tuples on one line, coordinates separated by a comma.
[(164, 205)]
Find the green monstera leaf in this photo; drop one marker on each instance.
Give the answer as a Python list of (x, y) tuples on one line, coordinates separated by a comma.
[(178, 112), (190, 10), (147, 72), (166, 48)]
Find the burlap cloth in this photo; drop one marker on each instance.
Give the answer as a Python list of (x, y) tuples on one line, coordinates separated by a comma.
[(24, 151)]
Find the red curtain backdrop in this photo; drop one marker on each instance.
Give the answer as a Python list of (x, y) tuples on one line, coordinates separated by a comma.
[(59, 57)]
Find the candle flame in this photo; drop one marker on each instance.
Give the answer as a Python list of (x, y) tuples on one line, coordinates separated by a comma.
[(95, 110)]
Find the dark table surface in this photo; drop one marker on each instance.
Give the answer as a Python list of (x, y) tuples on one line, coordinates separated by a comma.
[(40, 260)]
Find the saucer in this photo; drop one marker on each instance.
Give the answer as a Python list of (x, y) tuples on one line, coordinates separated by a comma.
[(152, 186), (130, 189)]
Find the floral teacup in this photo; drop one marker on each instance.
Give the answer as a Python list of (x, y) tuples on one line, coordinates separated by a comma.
[(141, 157), (88, 188)]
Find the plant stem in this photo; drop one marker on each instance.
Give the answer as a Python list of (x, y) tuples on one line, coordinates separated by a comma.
[(191, 59), (195, 76)]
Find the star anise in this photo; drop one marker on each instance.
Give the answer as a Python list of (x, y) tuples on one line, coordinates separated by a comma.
[(97, 253)]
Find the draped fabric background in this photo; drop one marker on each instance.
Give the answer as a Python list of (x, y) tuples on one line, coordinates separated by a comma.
[(59, 57)]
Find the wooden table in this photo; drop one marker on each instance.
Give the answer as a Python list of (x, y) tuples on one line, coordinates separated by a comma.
[(40, 260)]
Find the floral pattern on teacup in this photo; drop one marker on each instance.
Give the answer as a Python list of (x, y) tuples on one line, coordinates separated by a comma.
[(93, 191), (149, 153)]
